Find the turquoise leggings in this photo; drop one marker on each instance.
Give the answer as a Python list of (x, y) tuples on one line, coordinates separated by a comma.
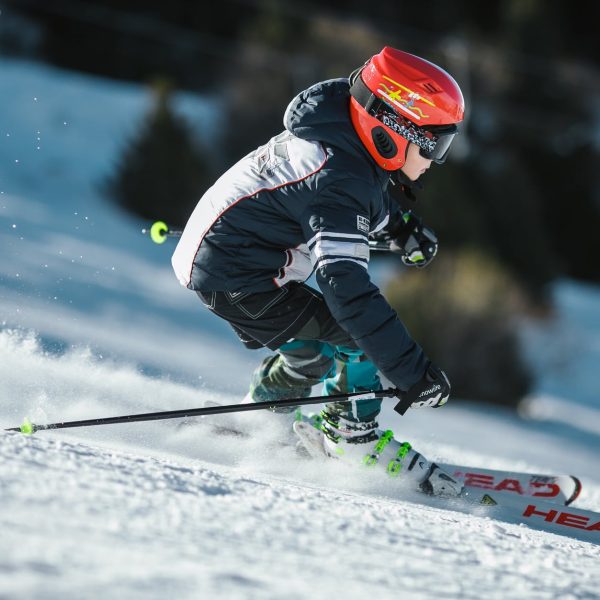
[(342, 369)]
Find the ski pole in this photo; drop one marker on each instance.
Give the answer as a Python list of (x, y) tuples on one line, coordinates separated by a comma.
[(401, 408), (160, 231)]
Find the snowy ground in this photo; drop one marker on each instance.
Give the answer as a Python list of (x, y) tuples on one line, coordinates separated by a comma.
[(101, 523), (95, 324)]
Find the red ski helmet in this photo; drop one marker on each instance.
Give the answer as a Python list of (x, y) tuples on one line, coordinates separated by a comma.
[(397, 98)]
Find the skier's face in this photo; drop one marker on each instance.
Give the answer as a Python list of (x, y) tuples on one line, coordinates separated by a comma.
[(415, 164)]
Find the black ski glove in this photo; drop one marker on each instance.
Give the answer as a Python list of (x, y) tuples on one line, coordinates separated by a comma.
[(417, 244), (432, 390)]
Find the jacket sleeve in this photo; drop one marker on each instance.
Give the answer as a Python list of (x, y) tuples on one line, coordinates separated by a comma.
[(336, 226)]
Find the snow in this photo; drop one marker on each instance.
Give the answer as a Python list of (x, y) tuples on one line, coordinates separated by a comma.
[(94, 323), (65, 246), (110, 524)]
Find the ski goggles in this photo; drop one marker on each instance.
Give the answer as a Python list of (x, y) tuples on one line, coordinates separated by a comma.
[(433, 142)]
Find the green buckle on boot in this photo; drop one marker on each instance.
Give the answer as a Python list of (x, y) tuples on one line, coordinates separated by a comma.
[(384, 440), (395, 466)]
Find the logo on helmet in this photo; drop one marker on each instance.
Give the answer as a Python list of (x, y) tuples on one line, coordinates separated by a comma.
[(405, 104)]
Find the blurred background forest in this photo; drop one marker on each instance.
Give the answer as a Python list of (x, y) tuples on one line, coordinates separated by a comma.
[(516, 206)]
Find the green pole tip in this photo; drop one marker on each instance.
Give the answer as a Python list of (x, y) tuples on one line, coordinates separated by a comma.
[(158, 232), (28, 427)]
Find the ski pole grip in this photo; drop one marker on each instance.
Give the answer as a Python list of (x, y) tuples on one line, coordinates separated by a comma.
[(404, 404)]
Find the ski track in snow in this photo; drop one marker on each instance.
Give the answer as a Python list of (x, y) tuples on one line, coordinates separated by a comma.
[(147, 510)]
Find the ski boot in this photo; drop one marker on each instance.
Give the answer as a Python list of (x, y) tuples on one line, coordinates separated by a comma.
[(363, 443)]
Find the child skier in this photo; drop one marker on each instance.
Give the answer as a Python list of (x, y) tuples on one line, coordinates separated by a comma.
[(309, 201)]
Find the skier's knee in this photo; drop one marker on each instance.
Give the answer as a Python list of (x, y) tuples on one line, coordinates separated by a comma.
[(312, 360)]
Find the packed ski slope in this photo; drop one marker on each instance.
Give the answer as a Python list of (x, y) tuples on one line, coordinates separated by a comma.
[(95, 324), (97, 523)]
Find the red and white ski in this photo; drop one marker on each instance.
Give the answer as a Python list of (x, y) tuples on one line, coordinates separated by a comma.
[(556, 489), (537, 514), (537, 501)]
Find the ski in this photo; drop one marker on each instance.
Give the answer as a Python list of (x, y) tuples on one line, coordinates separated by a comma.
[(536, 513), (555, 489), (512, 497), (558, 489), (537, 501)]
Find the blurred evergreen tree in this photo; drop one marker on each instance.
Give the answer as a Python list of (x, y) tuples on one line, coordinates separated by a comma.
[(492, 204), (259, 81), (463, 311), (279, 56), (571, 209), (548, 112), (162, 172), (133, 40)]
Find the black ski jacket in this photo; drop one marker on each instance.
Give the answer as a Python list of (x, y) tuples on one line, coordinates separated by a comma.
[(306, 201)]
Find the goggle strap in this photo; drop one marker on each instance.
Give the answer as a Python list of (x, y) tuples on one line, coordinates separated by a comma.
[(362, 94)]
